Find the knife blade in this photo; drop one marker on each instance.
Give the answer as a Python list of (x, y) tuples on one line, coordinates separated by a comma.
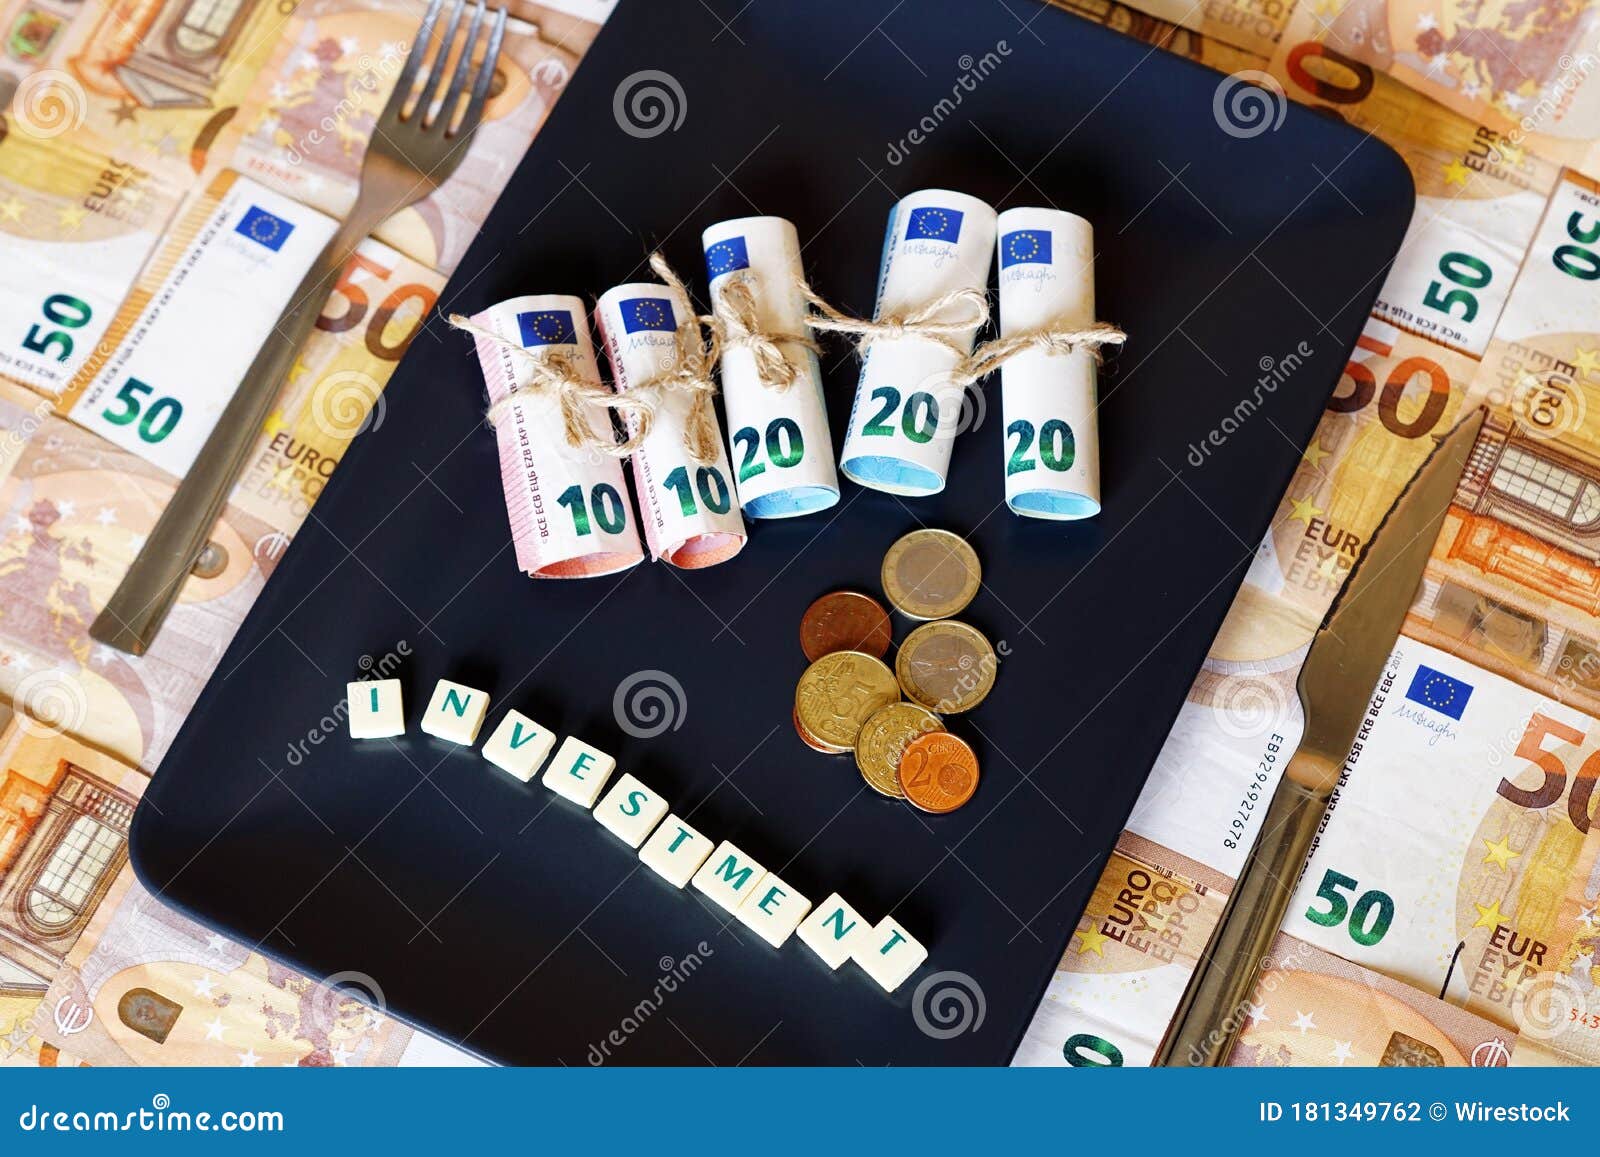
[(1344, 663)]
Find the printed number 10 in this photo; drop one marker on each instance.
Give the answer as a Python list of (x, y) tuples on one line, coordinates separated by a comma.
[(609, 509)]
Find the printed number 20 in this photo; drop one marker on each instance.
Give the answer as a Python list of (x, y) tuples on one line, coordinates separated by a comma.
[(1363, 931), (918, 423), (1057, 448)]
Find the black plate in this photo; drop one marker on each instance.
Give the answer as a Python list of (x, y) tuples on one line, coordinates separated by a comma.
[(496, 915)]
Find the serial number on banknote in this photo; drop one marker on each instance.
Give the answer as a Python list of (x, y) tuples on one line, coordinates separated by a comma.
[(1252, 792)]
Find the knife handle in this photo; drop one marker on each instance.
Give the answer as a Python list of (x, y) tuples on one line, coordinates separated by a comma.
[(1213, 1009)]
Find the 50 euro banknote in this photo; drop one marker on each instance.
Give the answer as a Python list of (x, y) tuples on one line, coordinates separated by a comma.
[(179, 345)]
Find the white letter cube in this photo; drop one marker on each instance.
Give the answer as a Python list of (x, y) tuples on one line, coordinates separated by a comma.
[(578, 772), (832, 930), (888, 954), (518, 746), (374, 709), (455, 713), (630, 810), (729, 876), (773, 910), (675, 851)]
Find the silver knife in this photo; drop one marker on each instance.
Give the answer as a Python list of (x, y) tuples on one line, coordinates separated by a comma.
[(1346, 659)]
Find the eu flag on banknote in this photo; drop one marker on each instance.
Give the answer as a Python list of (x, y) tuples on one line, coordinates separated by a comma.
[(1025, 247), (931, 223), (1441, 692), (727, 256), (263, 228), (641, 313), (546, 327)]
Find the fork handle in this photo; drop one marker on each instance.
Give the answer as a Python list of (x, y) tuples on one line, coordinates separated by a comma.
[(151, 586)]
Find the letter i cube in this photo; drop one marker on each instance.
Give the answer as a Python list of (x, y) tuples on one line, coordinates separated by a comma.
[(374, 709)]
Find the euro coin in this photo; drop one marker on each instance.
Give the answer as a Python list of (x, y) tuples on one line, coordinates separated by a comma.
[(839, 692), (845, 621), (812, 741), (883, 740), (947, 667), (931, 574), (938, 772)]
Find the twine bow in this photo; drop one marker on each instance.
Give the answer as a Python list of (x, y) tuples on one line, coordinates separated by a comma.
[(737, 325), (921, 321), (991, 355), (690, 370), (558, 374)]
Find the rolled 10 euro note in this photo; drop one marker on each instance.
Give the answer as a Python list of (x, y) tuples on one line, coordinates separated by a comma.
[(1052, 442), (568, 506), (778, 423), (690, 517), (907, 408)]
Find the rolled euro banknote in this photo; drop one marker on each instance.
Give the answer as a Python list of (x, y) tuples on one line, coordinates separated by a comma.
[(680, 467), (771, 383), (568, 505), (907, 408), (1048, 402)]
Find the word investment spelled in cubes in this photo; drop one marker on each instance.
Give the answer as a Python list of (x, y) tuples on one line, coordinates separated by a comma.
[(643, 820)]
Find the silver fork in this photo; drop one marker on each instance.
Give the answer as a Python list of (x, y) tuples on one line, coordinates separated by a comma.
[(415, 146)]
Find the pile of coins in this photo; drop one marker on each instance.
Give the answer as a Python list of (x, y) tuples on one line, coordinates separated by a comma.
[(849, 700)]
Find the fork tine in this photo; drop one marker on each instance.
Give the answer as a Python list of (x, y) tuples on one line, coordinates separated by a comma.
[(433, 83), (480, 86), (419, 49), (447, 110)]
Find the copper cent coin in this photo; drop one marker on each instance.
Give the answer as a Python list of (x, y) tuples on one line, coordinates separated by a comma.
[(938, 772), (845, 621), (931, 574), (883, 740)]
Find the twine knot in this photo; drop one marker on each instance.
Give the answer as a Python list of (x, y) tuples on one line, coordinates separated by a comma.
[(919, 321), (558, 374), (991, 355), (691, 370), (737, 325)]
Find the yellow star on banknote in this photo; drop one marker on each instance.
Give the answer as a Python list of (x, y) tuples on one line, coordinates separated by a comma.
[(1500, 852), (1314, 455), (1455, 173), (273, 426), (71, 216), (1093, 940), (1510, 154), (1587, 361), (1490, 916), (11, 208), (1304, 510)]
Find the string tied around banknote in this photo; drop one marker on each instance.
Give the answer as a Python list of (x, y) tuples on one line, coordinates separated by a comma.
[(737, 325), (690, 371), (991, 355), (922, 321), (558, 374)]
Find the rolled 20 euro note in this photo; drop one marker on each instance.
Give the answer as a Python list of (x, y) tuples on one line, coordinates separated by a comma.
[(568, 505), (690, 518), (1052, 442), (771, 382), (907, 408)]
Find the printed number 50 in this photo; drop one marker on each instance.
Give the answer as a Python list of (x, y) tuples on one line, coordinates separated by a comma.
[(159, 420), (65, 311), (1362, 930)]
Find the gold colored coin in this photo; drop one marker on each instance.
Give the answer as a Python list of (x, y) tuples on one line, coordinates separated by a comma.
[(931, 574), (947, 667), (812, 741), (839, 692), (883, 741)]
